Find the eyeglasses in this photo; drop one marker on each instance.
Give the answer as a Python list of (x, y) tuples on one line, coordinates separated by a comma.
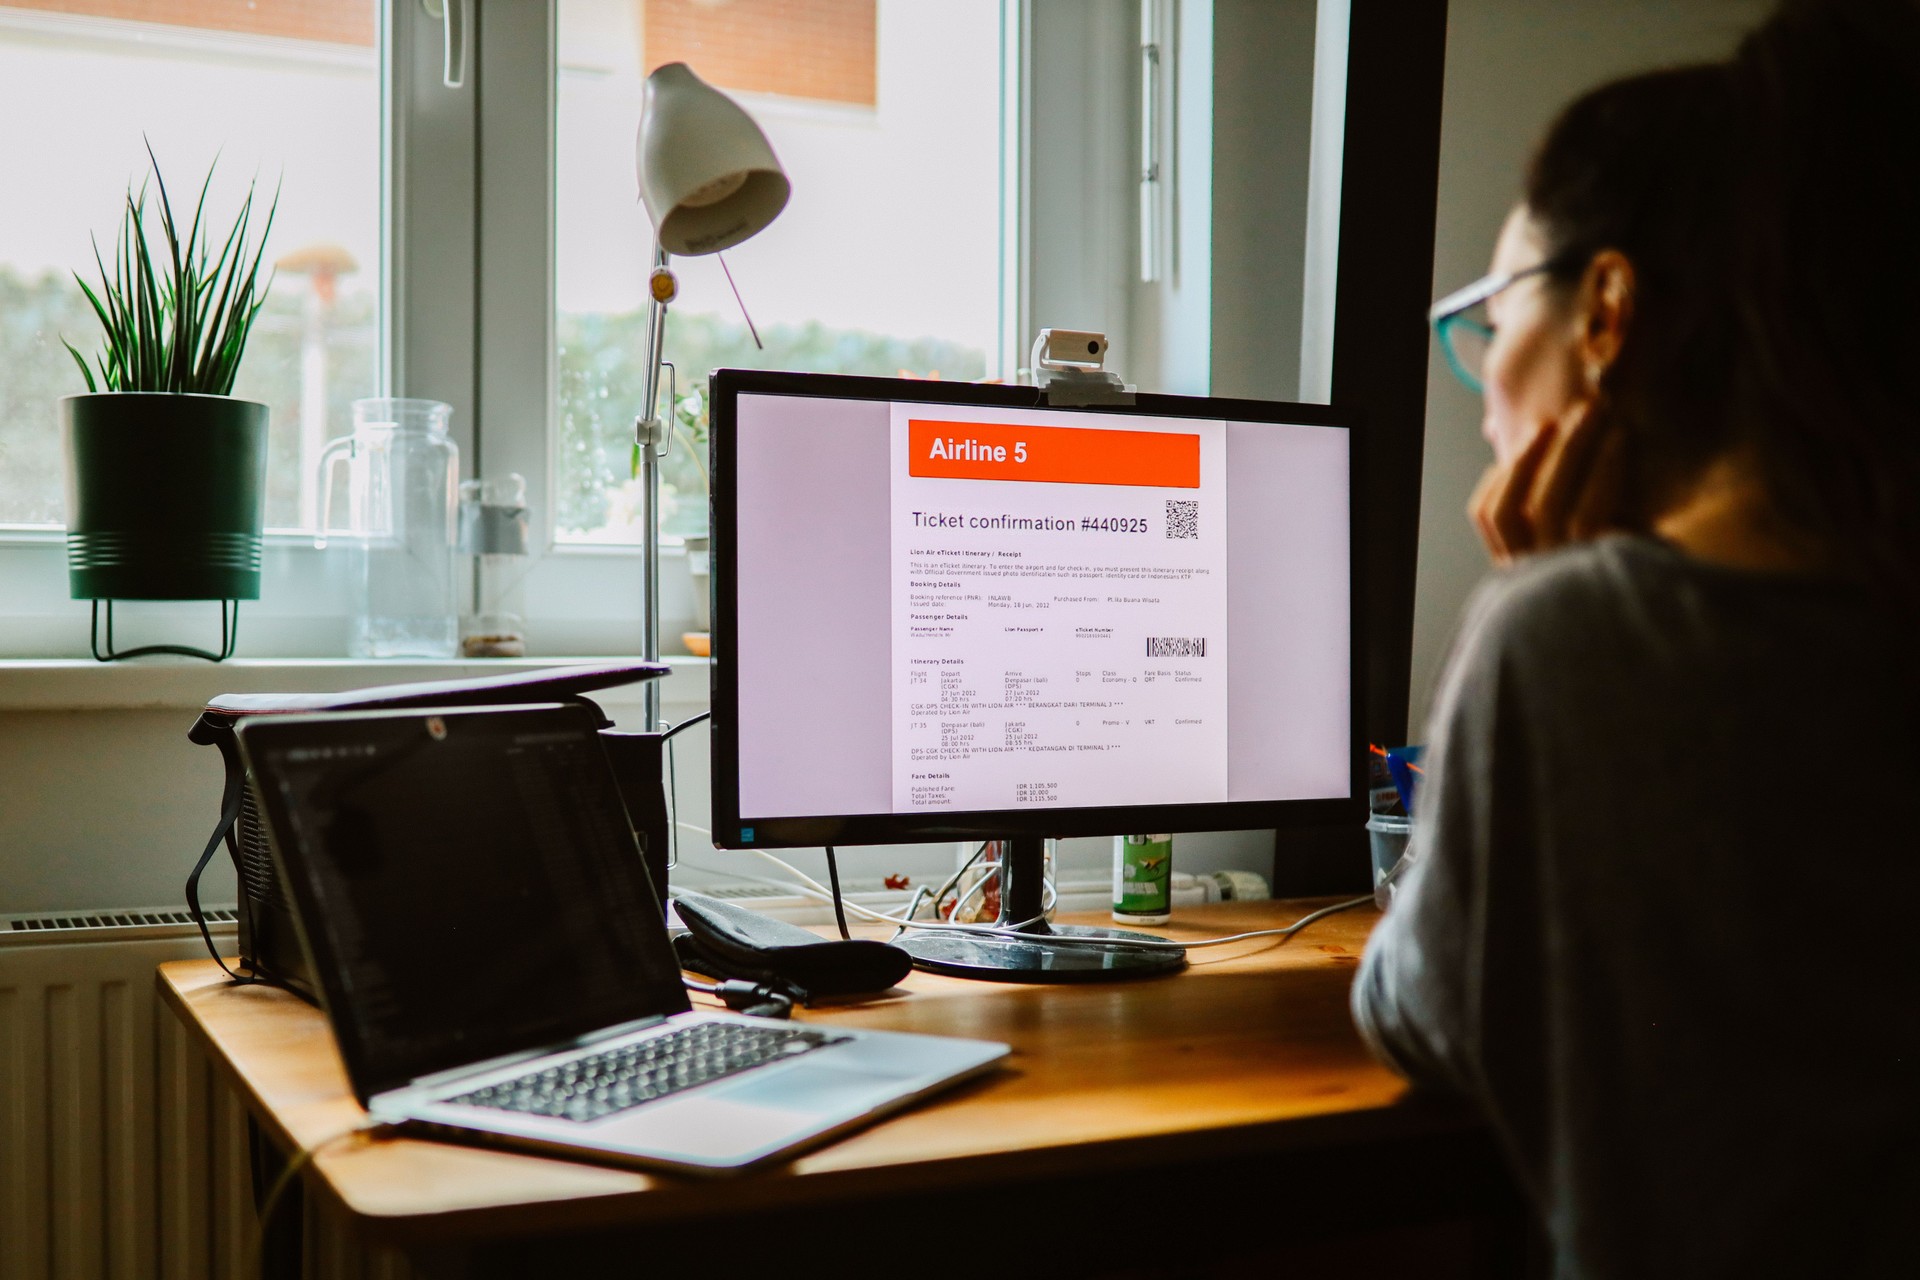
[(1460, 321)]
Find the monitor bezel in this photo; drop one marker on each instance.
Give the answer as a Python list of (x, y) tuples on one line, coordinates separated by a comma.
[(725, 386)]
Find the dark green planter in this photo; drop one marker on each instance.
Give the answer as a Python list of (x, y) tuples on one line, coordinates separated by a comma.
[(165, 496)]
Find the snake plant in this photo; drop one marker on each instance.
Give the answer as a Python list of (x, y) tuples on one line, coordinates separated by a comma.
[(175, 320)]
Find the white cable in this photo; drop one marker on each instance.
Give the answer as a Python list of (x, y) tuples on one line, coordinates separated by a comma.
[(814, 889), (804, 884), (999, 930), (807, 886), (743, 877), (960, 903), (791, 870), (878, 916), (1012, 933), (1047, 899), (804, 891), (822, 890)]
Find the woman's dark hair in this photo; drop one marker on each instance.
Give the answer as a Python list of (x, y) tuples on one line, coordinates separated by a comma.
[(1770, 205)]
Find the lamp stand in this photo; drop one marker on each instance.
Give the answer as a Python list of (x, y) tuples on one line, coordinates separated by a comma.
[(650, 431)]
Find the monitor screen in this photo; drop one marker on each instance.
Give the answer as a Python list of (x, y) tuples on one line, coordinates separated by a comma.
[(946, 610)]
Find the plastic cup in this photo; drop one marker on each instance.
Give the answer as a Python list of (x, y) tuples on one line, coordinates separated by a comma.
[(1387, 835)]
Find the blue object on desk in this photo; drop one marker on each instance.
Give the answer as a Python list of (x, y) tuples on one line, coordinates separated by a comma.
[(1404, 764)]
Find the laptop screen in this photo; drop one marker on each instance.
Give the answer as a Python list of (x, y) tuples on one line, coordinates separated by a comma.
[(468, 882)]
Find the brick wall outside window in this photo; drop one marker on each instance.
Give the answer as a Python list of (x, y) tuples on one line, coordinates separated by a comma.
[(334, 21), (819, 49)]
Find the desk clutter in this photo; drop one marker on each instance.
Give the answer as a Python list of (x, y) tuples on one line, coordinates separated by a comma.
[(457, 882)]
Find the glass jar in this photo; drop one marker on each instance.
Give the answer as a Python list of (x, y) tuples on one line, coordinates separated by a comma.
[(493, 534)]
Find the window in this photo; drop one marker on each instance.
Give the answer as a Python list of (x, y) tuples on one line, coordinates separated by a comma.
[(886, 260), (517, 254), (281, 95), (482, 244)]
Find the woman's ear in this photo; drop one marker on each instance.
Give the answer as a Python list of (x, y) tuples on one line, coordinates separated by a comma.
[(1606, 313)]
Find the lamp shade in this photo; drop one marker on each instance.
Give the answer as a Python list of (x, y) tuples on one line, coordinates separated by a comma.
[(708, 176)]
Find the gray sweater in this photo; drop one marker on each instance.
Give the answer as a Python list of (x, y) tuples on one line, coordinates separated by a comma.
[(1658, 926)]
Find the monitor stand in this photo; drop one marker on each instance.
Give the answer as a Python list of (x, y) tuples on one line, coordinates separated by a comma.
[(1035, 956)]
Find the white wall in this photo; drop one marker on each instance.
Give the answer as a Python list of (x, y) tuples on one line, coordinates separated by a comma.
[(1262, 115), (104, 802), (1511, 65)]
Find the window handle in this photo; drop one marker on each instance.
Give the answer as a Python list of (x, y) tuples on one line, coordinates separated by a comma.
[(452, 17), (1150, 175)]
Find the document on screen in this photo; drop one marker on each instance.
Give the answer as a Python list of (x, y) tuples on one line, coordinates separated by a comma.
[(1059, 611)]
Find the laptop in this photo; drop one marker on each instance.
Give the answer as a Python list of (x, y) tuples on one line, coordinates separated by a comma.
[(495, 962)]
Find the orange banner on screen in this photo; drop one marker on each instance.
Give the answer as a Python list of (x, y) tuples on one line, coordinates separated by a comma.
[(1053, 455)]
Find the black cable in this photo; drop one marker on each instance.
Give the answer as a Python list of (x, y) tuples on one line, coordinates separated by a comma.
[(913, 905), (755, 999), (230, 806), (296, 1162), (688, 723), (673, 809), (833, 878)]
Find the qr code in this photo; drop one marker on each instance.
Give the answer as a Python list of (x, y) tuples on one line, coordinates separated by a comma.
[(1183, 518)]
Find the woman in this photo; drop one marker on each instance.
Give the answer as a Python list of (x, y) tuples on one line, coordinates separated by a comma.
[(1656, 925)]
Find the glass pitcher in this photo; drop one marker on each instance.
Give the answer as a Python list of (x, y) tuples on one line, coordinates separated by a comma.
[(402, 472)]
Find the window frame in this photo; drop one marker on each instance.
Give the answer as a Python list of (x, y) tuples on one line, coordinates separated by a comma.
[(586, 598), (467, 204)]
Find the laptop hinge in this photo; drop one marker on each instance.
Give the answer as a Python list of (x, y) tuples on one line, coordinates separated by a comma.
[(454, 1075)]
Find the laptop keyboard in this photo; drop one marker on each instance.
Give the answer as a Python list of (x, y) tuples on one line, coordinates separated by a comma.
[(595, 1087)]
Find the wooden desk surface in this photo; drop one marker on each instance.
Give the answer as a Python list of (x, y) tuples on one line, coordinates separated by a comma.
[(1250, 1051)]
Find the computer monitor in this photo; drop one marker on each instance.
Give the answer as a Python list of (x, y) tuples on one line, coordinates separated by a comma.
[(950, 611)]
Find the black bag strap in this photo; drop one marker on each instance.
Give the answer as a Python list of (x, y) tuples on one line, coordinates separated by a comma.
[(230, 801)]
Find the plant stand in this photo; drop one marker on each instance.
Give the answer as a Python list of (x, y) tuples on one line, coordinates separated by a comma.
[(229, 637)]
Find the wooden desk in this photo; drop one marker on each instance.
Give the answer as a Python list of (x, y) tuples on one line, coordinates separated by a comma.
[(1235, 1100)]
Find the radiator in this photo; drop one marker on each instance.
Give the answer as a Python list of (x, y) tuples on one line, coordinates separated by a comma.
[(121, 1153)]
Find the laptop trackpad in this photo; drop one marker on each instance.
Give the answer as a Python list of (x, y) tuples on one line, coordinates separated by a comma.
[(814, 1090)]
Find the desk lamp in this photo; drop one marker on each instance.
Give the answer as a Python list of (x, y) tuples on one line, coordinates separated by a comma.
[(709, 180)]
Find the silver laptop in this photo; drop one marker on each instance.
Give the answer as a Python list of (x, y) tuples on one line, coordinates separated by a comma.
[(495, 962)]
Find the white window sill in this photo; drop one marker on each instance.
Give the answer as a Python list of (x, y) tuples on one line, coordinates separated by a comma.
[(300, 541), (168, 684), (579, 601)]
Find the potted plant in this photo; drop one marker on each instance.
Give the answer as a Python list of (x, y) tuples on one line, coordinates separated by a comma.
[(166, 471)]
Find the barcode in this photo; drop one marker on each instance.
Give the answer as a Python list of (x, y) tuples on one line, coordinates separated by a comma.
[(1176, 646), (1183, 518)]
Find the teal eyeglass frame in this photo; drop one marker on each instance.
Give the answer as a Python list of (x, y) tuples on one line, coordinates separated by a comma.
[(1449, 315)]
